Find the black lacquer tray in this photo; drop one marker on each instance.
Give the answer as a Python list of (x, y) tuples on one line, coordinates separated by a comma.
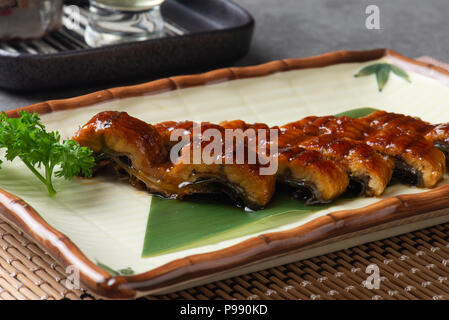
[(198, 34)]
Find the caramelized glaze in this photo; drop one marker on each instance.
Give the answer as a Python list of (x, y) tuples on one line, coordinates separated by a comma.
[(315, 178), (406, 140), (438, 134), (321, 157), (364, 166), (115, 135)]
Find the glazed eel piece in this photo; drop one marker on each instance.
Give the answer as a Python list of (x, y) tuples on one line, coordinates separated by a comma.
[(338, 161), (142, 152), (438, 134), (314, 178), (417, 161), (369, 172)]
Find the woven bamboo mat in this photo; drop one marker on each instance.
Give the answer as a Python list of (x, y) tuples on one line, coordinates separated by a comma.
[(411, 266)]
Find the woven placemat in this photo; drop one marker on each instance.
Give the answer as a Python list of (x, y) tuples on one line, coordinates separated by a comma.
[(411, 266)]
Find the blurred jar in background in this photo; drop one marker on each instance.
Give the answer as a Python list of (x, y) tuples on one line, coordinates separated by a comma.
[(117, 21), (29, 19)]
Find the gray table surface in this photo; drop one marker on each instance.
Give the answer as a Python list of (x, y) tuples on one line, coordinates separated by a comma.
[(300, 28)]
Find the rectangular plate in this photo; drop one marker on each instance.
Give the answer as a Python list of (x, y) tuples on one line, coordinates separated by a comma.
[(198, 34), (80, 229)]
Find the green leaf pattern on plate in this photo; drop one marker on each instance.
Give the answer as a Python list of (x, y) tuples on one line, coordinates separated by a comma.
[(382, 72), (121, 272)]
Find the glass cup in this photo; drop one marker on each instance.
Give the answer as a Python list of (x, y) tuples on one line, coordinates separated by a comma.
[(117, 21)]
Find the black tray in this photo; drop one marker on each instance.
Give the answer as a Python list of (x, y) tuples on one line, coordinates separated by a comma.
[(199, 34)]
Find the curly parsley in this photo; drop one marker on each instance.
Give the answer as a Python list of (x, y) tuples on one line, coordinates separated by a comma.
[(27, 139)]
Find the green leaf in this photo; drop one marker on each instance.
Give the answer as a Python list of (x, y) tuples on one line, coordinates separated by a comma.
[(371, 69), (108, 269), (382, 75), (400, 73), (122, 272), (26, 138), (356, 113), (175, 225), (73, 159), (382, 72), (126, 272)]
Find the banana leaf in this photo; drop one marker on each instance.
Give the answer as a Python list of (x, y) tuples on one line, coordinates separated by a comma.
[(175, 225)]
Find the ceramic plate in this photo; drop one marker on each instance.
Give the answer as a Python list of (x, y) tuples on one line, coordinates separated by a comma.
[(94, 222)]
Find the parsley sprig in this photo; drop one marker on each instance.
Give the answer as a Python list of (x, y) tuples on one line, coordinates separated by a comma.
[(26, 138)]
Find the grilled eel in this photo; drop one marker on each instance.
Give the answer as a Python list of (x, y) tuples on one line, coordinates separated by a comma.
[(142, 151), (319, 156), (314, 178), (369, 172), (438, 134), (306, 154), (417, 161)]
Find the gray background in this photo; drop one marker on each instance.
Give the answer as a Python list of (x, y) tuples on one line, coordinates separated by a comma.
[(299, 28)]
